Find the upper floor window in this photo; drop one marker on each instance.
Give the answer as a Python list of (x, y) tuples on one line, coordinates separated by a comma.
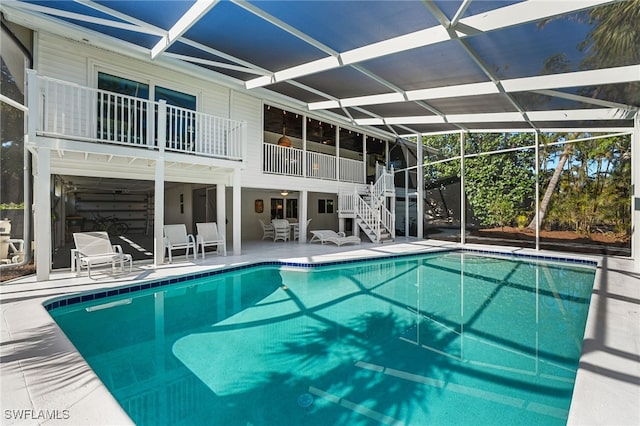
[(175, 98), (282, 127), (123, 86), (123, 119)]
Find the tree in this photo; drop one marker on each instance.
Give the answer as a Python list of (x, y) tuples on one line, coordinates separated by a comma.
[(613, 41), (539, 216), (499, 187), (593, 189)]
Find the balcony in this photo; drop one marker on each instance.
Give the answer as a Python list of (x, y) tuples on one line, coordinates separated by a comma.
[(71, 111), (290, 161)]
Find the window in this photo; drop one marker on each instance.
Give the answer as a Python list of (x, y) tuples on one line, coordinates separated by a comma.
[(120, 118), (284, 208), (292, 208), (325, 206), (277, 208), (279, 123), (124, 118), (181, 124)]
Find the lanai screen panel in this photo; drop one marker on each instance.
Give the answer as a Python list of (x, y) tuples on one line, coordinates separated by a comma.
[(388, 59)]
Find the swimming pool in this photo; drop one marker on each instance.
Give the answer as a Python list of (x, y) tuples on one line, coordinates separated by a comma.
[(445, 338)]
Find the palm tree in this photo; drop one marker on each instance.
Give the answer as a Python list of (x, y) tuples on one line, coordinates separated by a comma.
[(551, 187), (613, 41)]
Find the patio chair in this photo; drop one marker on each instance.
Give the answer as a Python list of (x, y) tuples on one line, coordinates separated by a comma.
[(281, 230), (337, 238), (176, 238), (296, 230), (267, 229), (208, 236), (95, 248)]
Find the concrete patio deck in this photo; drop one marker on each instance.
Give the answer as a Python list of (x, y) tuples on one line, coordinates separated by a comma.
[(45, 380)]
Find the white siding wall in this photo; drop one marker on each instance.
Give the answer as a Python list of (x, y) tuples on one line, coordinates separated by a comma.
[(68, 60), (59, 58), (251, 229), (77, 62), (172, 206), (249, 109)]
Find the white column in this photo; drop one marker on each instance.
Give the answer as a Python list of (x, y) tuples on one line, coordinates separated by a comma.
[(463, 203), (635, 185), (420, 186), (33, 102), (158, 198), (237, 213), (302, 214), (364, 158), (221, 209), (304, 146), (386, 155), (337, 154), (537, 189), (158, 214), (406, 200), (42, 201)]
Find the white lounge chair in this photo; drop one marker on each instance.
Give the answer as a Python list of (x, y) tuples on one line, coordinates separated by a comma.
[(281, 230), (337, 238), (176, 238), (208, 236), (95, 248), (267, 230)]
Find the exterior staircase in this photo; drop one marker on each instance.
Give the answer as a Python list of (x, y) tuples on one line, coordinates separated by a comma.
[(369, 209)]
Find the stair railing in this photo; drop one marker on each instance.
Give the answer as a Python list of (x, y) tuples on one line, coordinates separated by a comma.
[(374, 214), (369, 216)]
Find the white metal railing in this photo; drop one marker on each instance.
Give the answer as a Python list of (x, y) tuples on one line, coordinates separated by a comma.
[(321, 166), (190, 131), (346, 202), (282, 160), (72, 111), (388, 220), (374, 213), (351, 170), (288, 161), (383, 186), (369, 215)]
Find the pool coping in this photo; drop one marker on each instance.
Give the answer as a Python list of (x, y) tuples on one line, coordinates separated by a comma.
[(606, 391), (68, 300)]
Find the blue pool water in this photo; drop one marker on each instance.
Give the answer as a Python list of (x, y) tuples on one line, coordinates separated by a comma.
[(449, 338)]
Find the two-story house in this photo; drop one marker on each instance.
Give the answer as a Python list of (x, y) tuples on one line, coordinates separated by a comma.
[(235, 113)]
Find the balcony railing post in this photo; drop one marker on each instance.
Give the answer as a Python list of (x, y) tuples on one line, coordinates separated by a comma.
[(243, 140), (33, 104), (162, 125)]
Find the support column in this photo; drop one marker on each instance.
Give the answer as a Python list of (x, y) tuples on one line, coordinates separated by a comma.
[(635, 186), (237, 213), (302, 213), (406, 202), (463, 203), (420, 186), (304, 146), (42, 199), (364, 158), (158, 214), (158, 198), (221, 209), (537, 189), (337, 154), (386, 155)]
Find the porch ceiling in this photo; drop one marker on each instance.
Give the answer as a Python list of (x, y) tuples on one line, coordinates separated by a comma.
[(94, 171), (403, 67)]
